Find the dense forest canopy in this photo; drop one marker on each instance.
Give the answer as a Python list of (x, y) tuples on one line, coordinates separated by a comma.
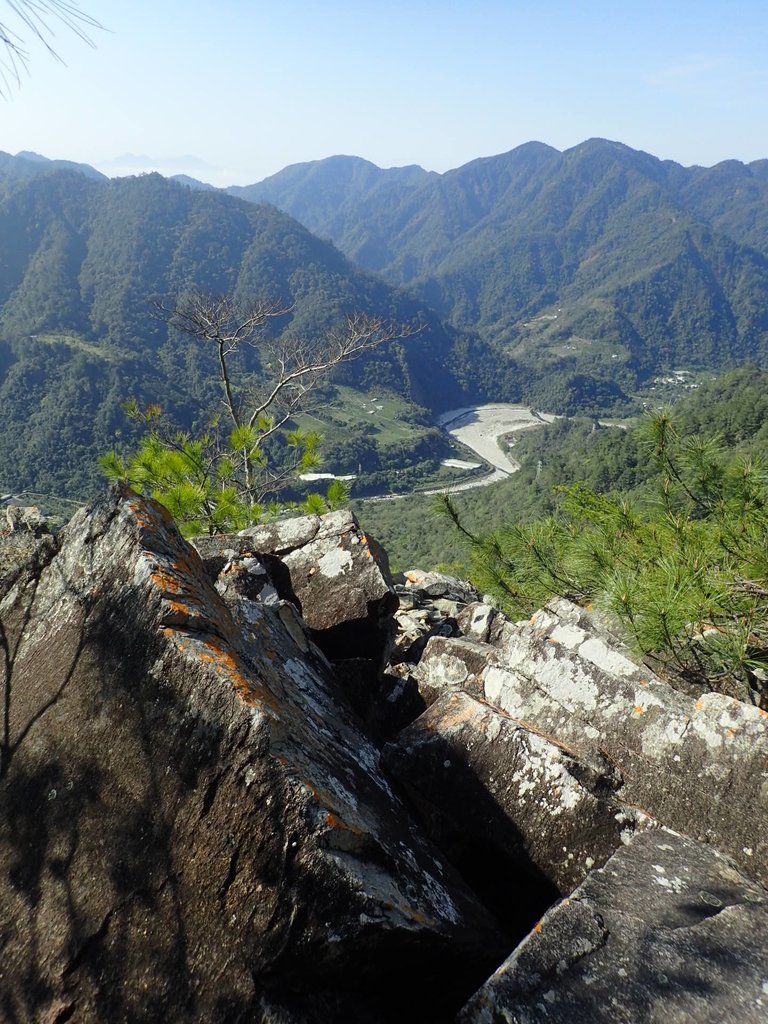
[(80, 260)]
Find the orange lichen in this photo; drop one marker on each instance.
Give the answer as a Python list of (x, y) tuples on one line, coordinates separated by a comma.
[(699, 705), (457, 713), (165, 582), (638, 709), (178, 608), (227, 664)]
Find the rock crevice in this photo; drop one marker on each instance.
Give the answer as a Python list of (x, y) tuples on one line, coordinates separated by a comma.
[(239, 783)]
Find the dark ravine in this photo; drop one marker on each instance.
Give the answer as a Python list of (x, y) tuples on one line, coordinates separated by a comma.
[(240, 785)]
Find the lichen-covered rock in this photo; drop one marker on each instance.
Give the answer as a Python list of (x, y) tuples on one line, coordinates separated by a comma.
[(697, 765), (190, 819), (334, 573), (488, 787), (430, 605), (667, 932), (478, 621), (21, 527), (450, 664)]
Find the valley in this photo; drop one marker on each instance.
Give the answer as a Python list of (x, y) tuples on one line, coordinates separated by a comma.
[(383, 537), (570, 281)]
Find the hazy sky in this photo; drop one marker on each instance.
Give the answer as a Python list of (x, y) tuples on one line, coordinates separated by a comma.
[(232, 91)]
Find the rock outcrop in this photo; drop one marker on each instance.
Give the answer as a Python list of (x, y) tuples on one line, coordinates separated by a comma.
[(532, 803), (667, 931), (239, 783), (21, 527), (193, 821), (337, 578)]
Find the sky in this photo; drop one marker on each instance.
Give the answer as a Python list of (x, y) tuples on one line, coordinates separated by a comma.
[(231, 92)]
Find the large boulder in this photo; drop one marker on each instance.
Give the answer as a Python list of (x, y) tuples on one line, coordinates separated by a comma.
[(522, 816), (668, 931), (334, 573), (449, 664), (699, 765), (192, 825)]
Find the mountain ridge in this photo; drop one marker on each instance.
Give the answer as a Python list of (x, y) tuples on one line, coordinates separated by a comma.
[(79, 261)]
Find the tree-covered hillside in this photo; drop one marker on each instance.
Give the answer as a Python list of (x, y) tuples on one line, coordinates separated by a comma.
[(81, 258), (574, 450), (599, 261)]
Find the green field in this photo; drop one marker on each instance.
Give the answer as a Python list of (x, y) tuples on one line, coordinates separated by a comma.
[(342, 409)]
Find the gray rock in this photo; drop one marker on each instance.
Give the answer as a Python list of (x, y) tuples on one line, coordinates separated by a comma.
[(698, 766), (335, 574), (189, 815), (432, 585), (476, 622), (668, 932), (477, 774), (450, 664), (21, 528)]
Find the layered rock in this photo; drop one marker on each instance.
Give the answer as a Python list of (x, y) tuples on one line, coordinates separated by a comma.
[(528, 801), (196, 822), (681, 759), (192, 820), (669, 930)]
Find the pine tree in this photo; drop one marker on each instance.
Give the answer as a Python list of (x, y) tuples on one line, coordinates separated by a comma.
[(684, 567)]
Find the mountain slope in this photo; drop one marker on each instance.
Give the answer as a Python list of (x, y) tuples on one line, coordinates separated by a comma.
[(601, 259), (30, 165), (79, 260)]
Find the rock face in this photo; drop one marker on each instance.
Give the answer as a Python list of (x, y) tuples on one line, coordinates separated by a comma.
[(198, 823), (681, 759), (541, 810), (330, 570), (667, 931), (192, 820)]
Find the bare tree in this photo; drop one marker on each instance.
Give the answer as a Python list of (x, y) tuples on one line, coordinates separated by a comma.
[(36, 18), (208, 482)]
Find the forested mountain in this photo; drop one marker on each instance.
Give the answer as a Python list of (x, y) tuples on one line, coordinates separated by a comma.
[(332, 191), (600, 260), (79, 261), (569, 279)]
